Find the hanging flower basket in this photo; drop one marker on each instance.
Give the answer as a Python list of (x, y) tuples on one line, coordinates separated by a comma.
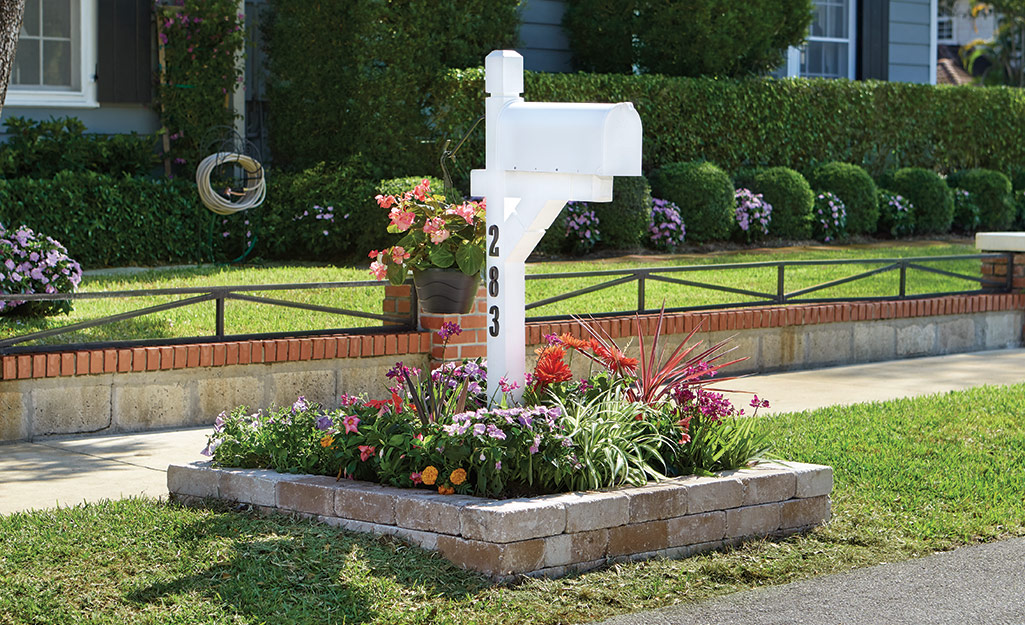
[(445, 291)]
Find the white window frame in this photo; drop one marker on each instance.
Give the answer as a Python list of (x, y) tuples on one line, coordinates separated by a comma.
[(85, 95), (793, 64), (945, 19)]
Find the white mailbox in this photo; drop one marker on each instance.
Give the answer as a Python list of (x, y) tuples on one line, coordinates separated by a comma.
[(539, 156)]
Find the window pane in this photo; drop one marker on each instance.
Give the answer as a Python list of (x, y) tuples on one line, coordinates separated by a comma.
[(26, 63), (30, 23), (823, 59), (57, 63), (830, 18), (57, 18)]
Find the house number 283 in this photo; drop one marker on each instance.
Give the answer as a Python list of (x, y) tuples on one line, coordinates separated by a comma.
[(493, 284)]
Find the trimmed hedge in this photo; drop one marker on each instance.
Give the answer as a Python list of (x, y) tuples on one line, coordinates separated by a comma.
[(623, 221), (855, 188), (991, 192), (41, 148), (356, 76), (791, 198), (932, 199), (107, 221), (794, 122), (704, 194)]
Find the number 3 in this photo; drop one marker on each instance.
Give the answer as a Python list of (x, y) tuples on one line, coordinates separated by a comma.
[(493, 330)]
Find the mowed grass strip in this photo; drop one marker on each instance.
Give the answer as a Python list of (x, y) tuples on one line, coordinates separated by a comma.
[(912, 477), (253, 318)]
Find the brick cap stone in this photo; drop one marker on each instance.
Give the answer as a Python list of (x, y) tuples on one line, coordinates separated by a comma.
[(1000, 241), (513, 520)]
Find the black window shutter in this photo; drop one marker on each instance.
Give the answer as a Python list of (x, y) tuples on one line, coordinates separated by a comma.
[(124, 63), (873, 40)]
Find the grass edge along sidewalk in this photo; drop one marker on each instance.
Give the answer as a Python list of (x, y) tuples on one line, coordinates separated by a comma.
[(913, 476)]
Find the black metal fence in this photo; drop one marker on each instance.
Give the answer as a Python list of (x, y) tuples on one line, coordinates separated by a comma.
[(780, 296), (197, 296)]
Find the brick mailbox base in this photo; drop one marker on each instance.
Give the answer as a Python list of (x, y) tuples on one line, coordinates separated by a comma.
[(550, 535)]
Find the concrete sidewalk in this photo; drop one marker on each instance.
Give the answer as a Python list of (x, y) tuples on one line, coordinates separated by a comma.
[(50, 472)]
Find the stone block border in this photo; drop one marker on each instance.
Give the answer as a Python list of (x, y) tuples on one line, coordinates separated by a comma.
[(551, 535)]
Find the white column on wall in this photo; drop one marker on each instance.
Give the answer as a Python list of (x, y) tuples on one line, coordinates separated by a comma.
[(238, 98), (934, 11)]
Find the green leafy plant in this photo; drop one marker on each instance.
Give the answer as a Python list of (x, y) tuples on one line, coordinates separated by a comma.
[(966, 211), (704, 195), (34, 263), (991, 192), (438, 234), (791, 198), (829, 218), (856, 190), (896, 214), (42, 148), (932, 198)]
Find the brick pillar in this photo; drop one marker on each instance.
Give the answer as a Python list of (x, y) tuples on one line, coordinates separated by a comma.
[(996, 269), (397, 300), (472, 343)]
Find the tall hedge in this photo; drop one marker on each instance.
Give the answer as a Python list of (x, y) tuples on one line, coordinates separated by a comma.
[(696, 38), (356, 76), (794, 122)]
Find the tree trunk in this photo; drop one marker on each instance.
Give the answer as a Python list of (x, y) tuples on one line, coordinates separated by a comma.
[(11, 13)]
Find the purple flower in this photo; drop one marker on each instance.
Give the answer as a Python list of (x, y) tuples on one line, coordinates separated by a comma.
[(448, 330), (300, 404), (324, 423)]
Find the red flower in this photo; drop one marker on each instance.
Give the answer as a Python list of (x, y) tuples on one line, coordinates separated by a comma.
[(366, 451), (551, 367), (614, 359)]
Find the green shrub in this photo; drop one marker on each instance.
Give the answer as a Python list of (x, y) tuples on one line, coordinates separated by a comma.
[(624, 220), (991, 192), (791, 198), (356, 76), (896, 214), (107, 221), (966, 211), (704, 194), (932, 198), (855, 188), (794, 123), (702, 37), (40, 149)]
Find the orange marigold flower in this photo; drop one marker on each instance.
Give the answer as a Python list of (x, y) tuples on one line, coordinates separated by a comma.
[(446, 490), (551, 367), (429, 476), (327, 441), (458, 476), (571, 341)]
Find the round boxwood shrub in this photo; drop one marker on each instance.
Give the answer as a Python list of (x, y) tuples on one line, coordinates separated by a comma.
[(932, 198), (704, 194), (35, 263), (624, 220), (791, 198), (856, 190), (991, 192)]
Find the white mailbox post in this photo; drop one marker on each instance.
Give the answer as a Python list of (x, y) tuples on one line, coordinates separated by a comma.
[(538, 157)]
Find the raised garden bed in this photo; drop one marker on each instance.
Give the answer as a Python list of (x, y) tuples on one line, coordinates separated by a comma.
[(550, 535)]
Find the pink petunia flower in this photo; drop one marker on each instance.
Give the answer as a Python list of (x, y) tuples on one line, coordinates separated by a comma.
[(350, 422)]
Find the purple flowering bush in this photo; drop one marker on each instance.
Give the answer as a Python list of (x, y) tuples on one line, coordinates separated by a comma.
[(666, 229), (34, 263), (437, 431), (896, 214), (753, 214), (582, 232), (967, 215), (829, 215)]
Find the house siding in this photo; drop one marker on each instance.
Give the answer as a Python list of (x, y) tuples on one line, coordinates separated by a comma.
[(106, 119), (911, 52), (543, 42)]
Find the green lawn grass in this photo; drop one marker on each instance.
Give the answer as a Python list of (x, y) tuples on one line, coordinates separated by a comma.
[(912, 477), (251, 318)]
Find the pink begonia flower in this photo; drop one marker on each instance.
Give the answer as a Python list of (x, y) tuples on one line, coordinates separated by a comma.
[(399, 254), (465, 211), (350, 422), (379, 270), (434, 224), (421, 190), (401, 219), (439, 236), (385, 201)]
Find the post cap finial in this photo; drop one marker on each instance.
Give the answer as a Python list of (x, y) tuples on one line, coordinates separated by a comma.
[(503, 73)]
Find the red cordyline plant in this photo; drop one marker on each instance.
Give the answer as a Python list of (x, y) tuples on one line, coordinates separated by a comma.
[(656, 374)]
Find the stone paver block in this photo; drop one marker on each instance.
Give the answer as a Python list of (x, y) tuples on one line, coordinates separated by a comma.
[(654, 502), (813, 480), (255, 486), (13, 418), (956, 335), (713, 493), (638, 538), (71, 408), (197, 479), (513, 520), (507, 559), (149, 406), (1003, 329), (696, 528), (765, 484), (829, 344), (783, 349), (753, 520), (424, 540), (431, 512), (594, 510), (874, 341), (308, 494), (566, 549), (362, 501), (316, 386), (804, 512), (915, 338), (218, 394)]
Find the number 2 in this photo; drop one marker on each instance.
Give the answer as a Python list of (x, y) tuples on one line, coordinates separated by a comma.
[(493, 248)]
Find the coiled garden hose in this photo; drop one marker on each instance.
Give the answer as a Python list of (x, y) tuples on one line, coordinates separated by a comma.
[(252, 193)]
